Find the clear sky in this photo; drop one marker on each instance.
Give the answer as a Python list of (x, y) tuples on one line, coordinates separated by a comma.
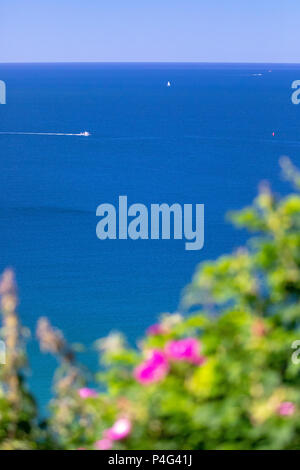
[(150, 30)]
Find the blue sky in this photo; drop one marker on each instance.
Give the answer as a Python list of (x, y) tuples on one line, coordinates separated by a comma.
[(149, 30)]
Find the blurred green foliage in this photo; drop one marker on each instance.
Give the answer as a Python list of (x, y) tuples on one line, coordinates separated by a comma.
[(244, 309)]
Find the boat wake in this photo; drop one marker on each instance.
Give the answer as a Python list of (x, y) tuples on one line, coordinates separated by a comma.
[(80, 134)]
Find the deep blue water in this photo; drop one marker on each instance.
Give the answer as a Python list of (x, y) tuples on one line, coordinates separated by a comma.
[(206, 139)]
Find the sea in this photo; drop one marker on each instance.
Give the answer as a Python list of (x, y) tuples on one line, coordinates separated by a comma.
[(209, 138)]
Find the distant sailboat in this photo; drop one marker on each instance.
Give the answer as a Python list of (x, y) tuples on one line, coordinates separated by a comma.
[(168, 84)]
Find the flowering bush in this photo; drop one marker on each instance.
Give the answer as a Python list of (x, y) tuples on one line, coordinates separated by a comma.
[(218, 375)]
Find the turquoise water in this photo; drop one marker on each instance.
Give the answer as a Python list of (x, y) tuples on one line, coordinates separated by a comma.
[(206, 139)]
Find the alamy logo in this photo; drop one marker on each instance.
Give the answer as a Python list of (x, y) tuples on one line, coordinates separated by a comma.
[(2, 92), (296, 353), (296, 94), (157, 223), (2, 353)]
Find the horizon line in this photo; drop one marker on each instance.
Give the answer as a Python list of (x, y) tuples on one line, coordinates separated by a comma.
[(148, 62)]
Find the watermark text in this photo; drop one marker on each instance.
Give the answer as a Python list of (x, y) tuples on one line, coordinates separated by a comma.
[(2, 92), (2, 353), (160, 221)]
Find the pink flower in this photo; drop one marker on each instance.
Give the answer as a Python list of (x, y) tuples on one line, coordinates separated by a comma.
[(286, 408), (156, 329), (104, 444), (153, 369), (187, 349), (86, 392), (120, 430), (81, 448)]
